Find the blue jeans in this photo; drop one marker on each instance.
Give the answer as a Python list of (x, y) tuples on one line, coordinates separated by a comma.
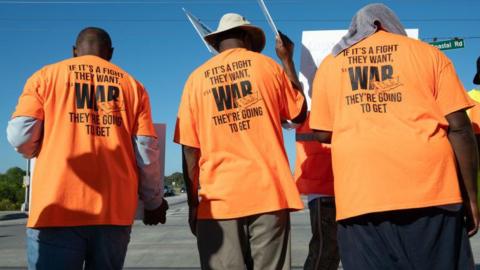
[(92, 247)]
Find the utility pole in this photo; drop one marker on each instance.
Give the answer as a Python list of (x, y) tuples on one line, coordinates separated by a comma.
[(26, 184)]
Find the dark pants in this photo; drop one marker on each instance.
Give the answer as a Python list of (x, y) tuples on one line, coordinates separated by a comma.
[(322, 250), (89, 247), (423, 238), (255, 242)]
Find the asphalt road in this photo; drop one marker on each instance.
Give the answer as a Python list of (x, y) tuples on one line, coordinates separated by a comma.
[(169, 246)]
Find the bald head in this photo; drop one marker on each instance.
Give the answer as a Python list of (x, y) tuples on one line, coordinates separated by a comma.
[(93, 41)]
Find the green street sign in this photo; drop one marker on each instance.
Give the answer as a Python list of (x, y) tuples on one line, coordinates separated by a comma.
[(449, 44)]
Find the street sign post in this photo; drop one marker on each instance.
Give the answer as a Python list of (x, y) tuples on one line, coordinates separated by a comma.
[(449, 44)]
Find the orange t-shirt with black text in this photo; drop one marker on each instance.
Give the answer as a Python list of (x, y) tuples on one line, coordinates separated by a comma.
[(231, 109), (385, 100), (313, 164), (85, 172)]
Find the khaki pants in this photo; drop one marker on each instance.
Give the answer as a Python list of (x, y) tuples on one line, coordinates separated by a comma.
[(254, 242)]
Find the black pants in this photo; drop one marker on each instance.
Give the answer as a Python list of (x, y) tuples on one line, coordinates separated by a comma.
[(322, 250), (424, 238)]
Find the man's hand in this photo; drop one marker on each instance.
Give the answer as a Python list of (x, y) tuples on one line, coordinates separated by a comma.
[(284, 47), (153, 217), (192, 219), (472, 217)]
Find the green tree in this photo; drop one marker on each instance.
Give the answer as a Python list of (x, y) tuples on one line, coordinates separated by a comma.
[(12, 192), (174, 180)]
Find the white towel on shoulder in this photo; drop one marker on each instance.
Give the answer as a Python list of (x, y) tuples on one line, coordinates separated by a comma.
[(365, 23)]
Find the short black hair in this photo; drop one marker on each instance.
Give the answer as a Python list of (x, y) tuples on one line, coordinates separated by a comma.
[(100, 36), (232, 33)]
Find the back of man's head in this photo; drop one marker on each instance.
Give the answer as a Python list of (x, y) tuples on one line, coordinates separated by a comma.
[(234, 38), (93, 41)]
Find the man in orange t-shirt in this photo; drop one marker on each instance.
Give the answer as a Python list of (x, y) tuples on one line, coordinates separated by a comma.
[(314, 178), (394, 110), (89, 125), (229, 126)]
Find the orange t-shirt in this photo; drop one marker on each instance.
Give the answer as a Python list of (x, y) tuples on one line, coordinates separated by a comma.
[(385, 100), (313, 165), (474, 113), (231, 109), (85, 173)]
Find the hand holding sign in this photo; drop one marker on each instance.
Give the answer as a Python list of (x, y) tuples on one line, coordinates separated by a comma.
[(284, 47)]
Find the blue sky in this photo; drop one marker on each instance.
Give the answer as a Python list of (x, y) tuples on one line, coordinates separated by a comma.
[(154, 42)]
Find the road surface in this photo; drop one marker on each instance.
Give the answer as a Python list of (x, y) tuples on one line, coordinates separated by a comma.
[(169, 246)]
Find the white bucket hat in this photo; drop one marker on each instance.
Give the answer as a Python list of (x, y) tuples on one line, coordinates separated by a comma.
[(231, 21)]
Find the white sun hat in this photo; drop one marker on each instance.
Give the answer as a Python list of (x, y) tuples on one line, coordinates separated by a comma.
[(231, 21)]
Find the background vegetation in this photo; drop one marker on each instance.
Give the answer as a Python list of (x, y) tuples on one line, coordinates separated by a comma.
[(12, 191)]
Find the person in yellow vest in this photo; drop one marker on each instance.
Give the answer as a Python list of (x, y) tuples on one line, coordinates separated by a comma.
[(474, 113)]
